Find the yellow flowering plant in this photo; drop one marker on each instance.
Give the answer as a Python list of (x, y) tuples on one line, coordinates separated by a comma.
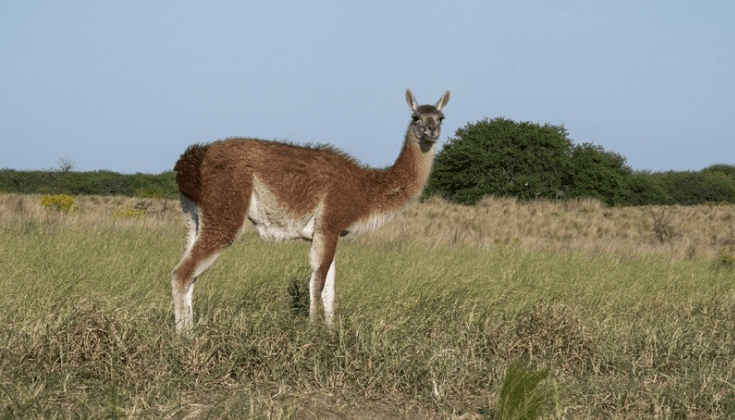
[(60, 202)]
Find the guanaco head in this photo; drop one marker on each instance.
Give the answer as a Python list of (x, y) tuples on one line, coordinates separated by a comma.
[(427, 119)]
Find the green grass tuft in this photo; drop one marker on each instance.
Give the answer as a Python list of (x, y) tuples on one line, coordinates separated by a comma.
[(523, 393)]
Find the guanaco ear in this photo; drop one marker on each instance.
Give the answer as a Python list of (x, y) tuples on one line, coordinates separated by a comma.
[(442, 101), (411, 100)]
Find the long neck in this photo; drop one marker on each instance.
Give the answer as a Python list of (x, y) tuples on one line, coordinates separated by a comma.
[(406, 179)]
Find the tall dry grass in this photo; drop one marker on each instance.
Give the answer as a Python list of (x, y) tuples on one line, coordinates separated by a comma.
[(584, 225)]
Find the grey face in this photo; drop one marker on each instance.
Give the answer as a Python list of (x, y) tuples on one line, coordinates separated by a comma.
[(426, 124), (427, 119)]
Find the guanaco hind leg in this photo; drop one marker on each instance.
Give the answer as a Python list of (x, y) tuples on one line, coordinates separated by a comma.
[(183, 294), (202, 248), (182, 285)]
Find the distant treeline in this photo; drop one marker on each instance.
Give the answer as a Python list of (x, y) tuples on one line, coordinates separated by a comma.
[(88, 183), (714, 184)]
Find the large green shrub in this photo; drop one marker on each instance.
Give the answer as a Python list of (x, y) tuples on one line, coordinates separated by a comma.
[(526, 160), (503, 158), (596, 173)]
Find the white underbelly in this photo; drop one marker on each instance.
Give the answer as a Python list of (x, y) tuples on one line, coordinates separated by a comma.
[(274, 222)]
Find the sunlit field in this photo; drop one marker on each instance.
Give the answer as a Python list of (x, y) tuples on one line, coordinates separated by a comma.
[(624, 313)]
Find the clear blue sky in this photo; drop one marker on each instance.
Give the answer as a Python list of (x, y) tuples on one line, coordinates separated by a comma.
[(128, 85)]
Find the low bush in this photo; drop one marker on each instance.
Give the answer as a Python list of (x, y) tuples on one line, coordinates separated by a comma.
[(61, 202)]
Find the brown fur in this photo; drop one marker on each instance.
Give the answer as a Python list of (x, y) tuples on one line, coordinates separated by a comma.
[(188, 173), (220, 179)]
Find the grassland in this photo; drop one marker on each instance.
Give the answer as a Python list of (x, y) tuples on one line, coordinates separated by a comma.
[(629, 312)]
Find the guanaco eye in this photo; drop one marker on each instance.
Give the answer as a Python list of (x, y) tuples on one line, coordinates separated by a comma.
[(415, 118)]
